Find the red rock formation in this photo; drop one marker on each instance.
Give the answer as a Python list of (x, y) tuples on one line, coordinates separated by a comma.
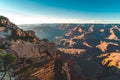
[(25, 35), (111, 60), (74, 30), (39, 57), (35, 58), (103, 46), (112, 34)]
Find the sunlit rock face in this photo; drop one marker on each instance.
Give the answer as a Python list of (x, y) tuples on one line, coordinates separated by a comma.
[(31, 50), (76, 30), (25, 35), (112, 34), (111, 60), (34, 57), (114, 58), (103, 46)]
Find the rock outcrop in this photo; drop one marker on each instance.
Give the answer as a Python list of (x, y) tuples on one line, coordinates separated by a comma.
[(74, 31), (32, 50), (103, 46), (112, 59), (4, 21), (112, 34), (8, 29), (111, 64), (25, 35), (35, 58)]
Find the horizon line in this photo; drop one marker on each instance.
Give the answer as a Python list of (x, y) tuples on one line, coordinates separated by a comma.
[(65, 23)]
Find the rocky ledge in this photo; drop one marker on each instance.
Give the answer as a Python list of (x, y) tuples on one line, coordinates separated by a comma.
[(34, 56)]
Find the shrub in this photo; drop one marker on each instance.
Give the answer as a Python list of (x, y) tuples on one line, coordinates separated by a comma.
[(2, 17)]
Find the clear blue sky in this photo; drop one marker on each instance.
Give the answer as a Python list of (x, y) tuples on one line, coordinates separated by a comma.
[(86, 10)]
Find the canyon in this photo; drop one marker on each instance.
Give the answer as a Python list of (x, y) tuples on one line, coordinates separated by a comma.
[(72, 51)]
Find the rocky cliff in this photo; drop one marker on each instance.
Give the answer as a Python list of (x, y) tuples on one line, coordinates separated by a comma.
[(35, 58)]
